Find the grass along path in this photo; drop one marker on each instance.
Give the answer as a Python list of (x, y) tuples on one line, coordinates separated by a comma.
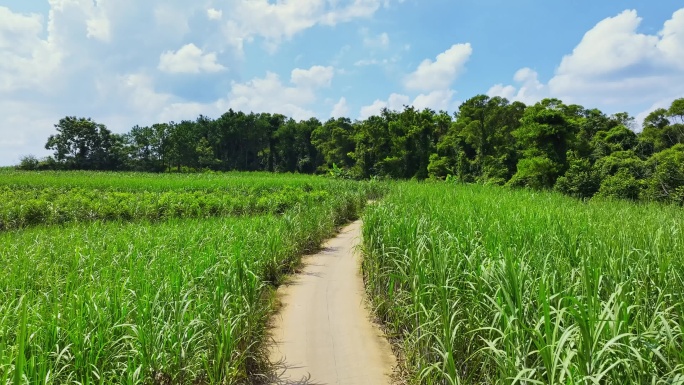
[(486, 285), (179, 302)]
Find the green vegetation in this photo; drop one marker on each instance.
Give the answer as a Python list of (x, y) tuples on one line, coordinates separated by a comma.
[(484, 285), (179, 300), (578, 151), (28, 199), (136, 181), (168, 278)]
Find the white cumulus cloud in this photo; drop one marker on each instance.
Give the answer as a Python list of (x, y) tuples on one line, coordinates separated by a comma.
[(373, 109), (270, 94), (214, 14), (529, 90), (340, 109), (440, 73), (314, 77), (439, 100), (26, 59), (109, 60), (281, 20), (190, 59), (613, 65)]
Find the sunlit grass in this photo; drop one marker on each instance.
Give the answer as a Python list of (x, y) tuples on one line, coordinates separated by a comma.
[(131, 181), (491, 286), (179, 301), (30, 199)]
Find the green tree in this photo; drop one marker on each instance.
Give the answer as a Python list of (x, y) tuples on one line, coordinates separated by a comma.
[(486, 124), (373, 152), (618, 138), (546, 133), (81, 143), (335, 141), (537, 172), (580, 180), (621, 160), (622, 175), (413, 140), (182, 145), (450, 158), (205, 155), (147, 147), (622, 185), (294, 150), (663, 128), (666, 180)]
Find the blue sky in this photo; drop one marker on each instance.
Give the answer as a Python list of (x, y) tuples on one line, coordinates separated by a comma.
[(127, 62)]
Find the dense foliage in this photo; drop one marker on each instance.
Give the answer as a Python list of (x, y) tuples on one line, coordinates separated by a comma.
[(176, 301), (49, 198), (491, 286), (578, 151)]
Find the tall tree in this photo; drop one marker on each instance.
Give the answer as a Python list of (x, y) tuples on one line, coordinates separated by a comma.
[(373, 146), (81, 143), (335, 142), (545, 135), (664, 128), (183, 141)]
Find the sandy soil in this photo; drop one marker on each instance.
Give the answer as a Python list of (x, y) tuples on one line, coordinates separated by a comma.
[(324, 334)]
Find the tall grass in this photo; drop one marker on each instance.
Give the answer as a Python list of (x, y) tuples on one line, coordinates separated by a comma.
[(178, 302), (491, 286), (132, 181), (24, 207), (31, 199)]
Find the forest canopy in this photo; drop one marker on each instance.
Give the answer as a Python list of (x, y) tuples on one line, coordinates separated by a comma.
[(549, 145)]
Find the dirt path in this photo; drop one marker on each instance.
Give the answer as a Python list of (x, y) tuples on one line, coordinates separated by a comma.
[(323, 334)]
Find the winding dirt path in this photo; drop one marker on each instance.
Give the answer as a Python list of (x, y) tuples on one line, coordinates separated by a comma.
[(324, 334)]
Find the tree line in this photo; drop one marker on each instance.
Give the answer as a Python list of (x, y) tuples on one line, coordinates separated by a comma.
[(549, 145)]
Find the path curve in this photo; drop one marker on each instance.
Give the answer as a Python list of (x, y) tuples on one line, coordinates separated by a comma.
[(323, 333)]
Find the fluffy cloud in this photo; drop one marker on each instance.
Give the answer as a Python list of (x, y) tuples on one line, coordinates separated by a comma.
[(613, 65), (372, 109), (26, 60), (99, 28), (530, 90), (340, 109), (214, 14), (433, 77), (269, 94), (672, 39), (111, 60), (281, 20), (440, 73), (189, 59), (440, 100), (614, 62), (314, 77), (611, 45), (395, 102)]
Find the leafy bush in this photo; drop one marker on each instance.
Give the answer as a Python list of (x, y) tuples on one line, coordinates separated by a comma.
[(622, 185), (580, 181), (538, 173), (667, 175), (29, 163)]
